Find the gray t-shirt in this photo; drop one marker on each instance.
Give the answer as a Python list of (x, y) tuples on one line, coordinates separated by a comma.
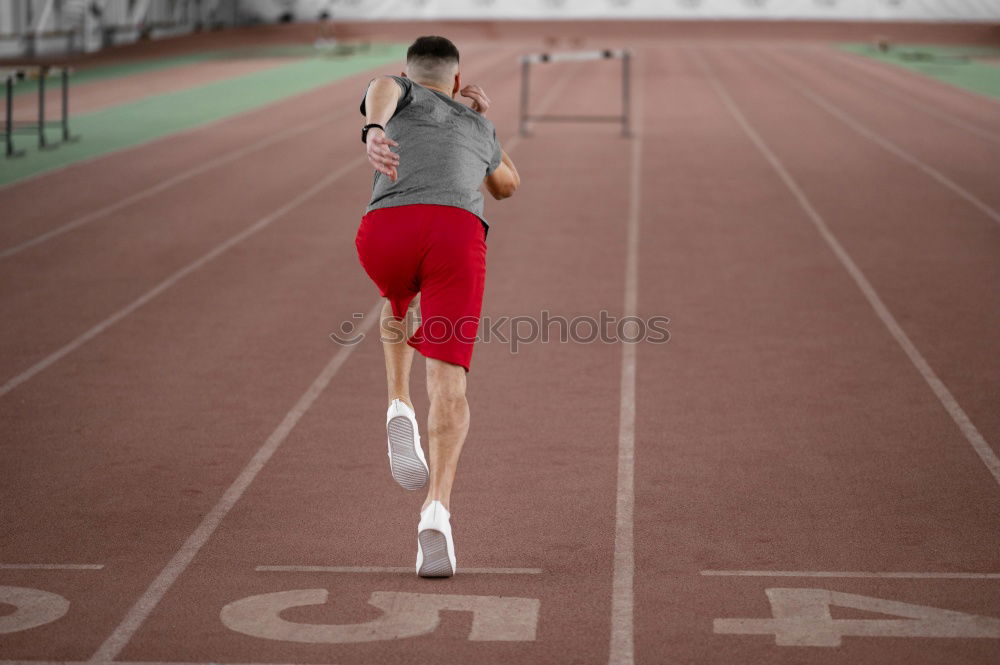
[(445, 151)]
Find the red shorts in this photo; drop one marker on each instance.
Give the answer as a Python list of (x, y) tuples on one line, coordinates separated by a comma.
[(439, 252)]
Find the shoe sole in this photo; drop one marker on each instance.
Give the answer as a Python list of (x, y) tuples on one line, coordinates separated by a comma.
[(406, 467), (434, 547)]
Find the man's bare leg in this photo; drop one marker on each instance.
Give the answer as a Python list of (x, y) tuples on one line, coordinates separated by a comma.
[(447, 424), (399, 354)]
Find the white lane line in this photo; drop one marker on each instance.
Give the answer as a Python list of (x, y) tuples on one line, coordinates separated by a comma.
[(857, 574), (898, 94), (206, 258), (390, 569), (51, 566), (186, 175), (178, 563), (948, 401), (622, 647), (878, 139)]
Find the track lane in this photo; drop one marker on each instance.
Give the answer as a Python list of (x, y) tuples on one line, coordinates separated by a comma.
[(781, 427), (973, 107), (930, 256), (857, 75), (965, 164), (534, 488), (78, 220), (162, 410)]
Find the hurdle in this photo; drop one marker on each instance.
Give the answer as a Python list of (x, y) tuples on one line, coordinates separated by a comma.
[(576, 56), (14, 73), (9, 77)]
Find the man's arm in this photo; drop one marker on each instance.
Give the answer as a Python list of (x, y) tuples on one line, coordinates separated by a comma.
[(504, 180), (380, 103)]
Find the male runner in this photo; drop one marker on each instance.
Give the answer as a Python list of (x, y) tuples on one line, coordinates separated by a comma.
[(422, 241)]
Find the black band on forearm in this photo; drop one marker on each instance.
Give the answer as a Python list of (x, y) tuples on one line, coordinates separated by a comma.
[(364, 130)]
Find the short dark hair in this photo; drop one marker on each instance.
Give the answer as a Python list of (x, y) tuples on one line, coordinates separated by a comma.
[(431, 46)]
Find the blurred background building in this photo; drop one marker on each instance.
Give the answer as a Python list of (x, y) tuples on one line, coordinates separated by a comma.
[(45, 27)]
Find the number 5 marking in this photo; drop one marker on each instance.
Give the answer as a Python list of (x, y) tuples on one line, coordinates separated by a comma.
[(802, 618), (34, 607), (403, 615)]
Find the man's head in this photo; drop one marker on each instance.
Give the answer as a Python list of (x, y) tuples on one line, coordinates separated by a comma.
[(433, 62)]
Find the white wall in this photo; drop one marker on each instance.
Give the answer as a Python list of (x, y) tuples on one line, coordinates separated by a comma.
[(855, 10), (270, 10), (6, 16)]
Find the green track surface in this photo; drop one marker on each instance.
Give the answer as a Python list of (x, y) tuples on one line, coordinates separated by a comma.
[(145, 65), (122, 69), (153, 117), (962, 66)]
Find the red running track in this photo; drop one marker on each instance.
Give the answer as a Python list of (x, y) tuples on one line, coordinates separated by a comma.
[(804, 447)]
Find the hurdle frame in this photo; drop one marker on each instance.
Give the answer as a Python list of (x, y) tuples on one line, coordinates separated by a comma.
[(14, 73), (9, 76), (568, 56)]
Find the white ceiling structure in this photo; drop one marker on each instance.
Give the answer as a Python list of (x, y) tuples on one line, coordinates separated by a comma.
[(843, 10)]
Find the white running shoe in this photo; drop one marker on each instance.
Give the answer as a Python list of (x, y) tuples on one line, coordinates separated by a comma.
[(406, 458), (435, 548)]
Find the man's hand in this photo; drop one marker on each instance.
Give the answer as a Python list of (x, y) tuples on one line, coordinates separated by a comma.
[(381, 157), (480, 102)]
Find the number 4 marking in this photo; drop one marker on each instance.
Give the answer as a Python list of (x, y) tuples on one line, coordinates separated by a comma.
[(802, 618)]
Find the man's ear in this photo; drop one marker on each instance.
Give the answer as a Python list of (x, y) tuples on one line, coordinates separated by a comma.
[(458, 84)]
